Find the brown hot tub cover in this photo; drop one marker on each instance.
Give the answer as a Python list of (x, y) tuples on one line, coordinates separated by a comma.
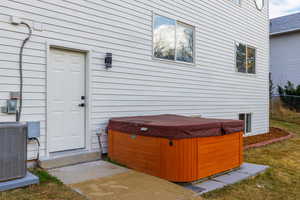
[(175, 126)]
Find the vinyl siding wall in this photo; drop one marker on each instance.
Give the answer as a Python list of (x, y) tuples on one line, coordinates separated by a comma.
[(285, 60), (137, 84)]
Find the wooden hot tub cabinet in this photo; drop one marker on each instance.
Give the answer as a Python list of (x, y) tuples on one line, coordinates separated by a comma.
[(177, 160)]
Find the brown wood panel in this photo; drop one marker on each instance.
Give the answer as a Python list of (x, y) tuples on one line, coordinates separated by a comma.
[(241, 134), (137, 152), (184, 161), (178, 160)]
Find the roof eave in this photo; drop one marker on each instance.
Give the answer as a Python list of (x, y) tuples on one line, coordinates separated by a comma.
[(285, 32)]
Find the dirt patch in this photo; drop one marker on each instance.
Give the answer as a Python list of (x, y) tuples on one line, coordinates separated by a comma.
[(274, 135)]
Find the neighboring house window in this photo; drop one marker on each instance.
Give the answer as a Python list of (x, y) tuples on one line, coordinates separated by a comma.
[(247, 118), (173, 40), (245, 58)]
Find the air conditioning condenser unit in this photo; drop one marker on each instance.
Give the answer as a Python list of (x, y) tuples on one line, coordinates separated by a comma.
[(13, 150)]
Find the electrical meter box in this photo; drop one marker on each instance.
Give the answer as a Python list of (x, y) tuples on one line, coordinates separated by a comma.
[(12, 106)]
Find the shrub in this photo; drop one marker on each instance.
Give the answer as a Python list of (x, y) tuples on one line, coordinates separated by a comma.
[(290, 96)]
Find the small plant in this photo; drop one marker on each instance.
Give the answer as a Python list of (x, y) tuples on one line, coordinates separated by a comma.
[(290, 96), (45, 177)]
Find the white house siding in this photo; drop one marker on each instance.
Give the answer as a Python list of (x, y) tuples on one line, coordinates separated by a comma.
[(285, 60), (137, 84)]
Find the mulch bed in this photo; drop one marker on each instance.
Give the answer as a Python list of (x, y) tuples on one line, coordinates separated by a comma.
[(275, 135)]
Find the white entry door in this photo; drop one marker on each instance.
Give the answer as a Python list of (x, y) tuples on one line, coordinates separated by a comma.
[(66, 96)]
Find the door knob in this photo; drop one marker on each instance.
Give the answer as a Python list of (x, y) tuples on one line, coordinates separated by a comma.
[(82, 105)]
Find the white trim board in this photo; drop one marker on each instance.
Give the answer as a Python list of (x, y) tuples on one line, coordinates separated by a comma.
[(88, 52)]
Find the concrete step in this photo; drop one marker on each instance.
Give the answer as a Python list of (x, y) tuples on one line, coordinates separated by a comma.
[(29, 179), (69, 160)]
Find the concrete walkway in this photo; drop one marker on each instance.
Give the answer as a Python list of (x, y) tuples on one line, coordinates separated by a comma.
[(106, 181), (86, 171), (246, 171)]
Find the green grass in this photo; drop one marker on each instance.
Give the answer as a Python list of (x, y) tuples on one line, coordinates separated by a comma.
[(280, 182), (45, 177), (292, 118), (281, 113), (50, 188)]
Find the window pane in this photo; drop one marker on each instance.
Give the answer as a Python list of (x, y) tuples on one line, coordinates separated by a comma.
[(164, 38), (251, 60), (242, 117), (241, 57), (248, 123), (185, 43)]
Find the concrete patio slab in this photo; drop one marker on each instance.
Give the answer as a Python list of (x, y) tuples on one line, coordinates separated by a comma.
[(29, 179), (209, 185), (133, 186), (69, 160), (247, 170), (195, 188), (106, 181), (252, 169), (86, 171), (231, 178)]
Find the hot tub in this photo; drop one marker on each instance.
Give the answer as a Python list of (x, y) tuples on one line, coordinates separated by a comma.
[(176, 148)]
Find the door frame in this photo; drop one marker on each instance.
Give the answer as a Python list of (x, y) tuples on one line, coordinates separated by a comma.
[(88, 55)]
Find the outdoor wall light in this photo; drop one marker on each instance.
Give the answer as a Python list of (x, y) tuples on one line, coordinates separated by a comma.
[(108, 60)]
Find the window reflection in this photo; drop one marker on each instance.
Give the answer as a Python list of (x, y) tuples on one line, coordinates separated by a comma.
[(247, 118), (248, 122), (245, 58), (251, 60), (241, 57), (164, 38), (185, 43), (173, 40)]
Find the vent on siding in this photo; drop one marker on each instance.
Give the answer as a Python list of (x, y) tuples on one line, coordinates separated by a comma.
[(13, 151)]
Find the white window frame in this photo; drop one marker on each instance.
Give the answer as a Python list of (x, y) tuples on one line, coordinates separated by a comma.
[(175, 59), (245, 122), (235, 58)]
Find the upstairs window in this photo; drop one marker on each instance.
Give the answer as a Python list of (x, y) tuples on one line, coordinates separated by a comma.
[(247, 118), (245, 58), (173, 40)]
